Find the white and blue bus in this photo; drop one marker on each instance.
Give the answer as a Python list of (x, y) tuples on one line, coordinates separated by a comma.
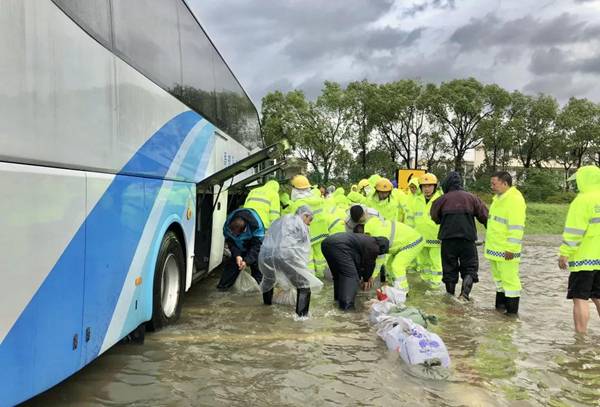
[(120, 123)]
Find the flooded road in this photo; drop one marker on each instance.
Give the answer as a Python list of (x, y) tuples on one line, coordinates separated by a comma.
[(230, 350)]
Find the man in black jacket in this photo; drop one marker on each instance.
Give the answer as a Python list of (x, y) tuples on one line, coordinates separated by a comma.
[(456, 211), (351, 259), (244, 233)]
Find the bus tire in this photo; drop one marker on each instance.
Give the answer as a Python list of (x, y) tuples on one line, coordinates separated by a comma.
[(167, 291)]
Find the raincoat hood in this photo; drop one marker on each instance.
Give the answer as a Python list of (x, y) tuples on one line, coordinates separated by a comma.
[(415, 181), (588, 178), (373, 179), (272, 185), (339, 191), (452, 182)]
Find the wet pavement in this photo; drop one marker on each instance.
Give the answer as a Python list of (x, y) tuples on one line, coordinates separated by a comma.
[(230, 350)]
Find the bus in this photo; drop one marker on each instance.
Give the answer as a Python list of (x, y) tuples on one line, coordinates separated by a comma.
[(122, 130)]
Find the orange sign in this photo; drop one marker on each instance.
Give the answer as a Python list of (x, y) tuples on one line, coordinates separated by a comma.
[(404, 177)]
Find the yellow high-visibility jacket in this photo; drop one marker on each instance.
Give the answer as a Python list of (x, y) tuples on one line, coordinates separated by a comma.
[(581, 236)]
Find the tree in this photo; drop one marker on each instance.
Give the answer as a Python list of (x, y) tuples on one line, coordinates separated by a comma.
[(359, 96), (459, 106), (496, 138), (400, 115), (532, 127)]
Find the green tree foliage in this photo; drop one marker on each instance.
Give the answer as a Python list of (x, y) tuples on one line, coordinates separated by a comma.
[(578, 128), (349, 133), (532, 126), (458, 107)]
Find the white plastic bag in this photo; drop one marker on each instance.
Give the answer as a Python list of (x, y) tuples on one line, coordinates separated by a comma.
[(378, 309), (284, 297), (395, 295), (246, 284)]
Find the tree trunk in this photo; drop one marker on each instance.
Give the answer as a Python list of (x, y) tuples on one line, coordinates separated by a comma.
[(494, 158), (416, 152), (458, 162)]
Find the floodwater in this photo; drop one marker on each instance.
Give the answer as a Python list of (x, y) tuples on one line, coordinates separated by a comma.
[(229, 350)]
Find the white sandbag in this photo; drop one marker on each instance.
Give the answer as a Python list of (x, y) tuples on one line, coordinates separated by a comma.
[(246, 284), (415, 344), (424, 347), (378, 309)]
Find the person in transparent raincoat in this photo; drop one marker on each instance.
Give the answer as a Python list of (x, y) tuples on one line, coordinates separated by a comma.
[(284, 257)]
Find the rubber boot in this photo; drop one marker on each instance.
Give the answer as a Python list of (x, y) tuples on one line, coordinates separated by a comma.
[(346, 306), (451, 288), (302, 301), (268, 297), (467, 285), (512, 305), (500, 301), (382, 275)]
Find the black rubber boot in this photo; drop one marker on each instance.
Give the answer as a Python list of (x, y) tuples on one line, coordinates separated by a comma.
[(512, 305), (346, 306), (302, 302), (451, 288), (268, 297), (467, 285), (382, 275), (500, 301)]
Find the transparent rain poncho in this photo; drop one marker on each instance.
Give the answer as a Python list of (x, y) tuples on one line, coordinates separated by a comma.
[(284, 255)]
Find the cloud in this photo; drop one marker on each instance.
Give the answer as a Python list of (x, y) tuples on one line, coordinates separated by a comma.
[(491, 31)]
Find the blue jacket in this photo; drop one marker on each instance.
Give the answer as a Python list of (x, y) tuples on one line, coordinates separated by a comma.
[(247, 244)]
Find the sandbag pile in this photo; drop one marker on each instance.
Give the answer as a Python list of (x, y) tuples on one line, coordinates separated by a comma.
[(403, 329)]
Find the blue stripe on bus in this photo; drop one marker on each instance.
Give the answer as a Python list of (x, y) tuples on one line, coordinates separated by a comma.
[(33, 361)]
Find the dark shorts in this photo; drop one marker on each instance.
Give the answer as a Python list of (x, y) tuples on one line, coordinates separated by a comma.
[(584, 285)]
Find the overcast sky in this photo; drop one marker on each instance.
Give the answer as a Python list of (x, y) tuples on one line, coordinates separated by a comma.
[(549, 46)]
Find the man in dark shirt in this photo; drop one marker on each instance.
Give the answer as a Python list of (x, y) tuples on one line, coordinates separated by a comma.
[(244, 233), (456, 211), (351, 259)]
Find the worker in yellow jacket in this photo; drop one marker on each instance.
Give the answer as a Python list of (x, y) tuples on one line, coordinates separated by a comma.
[(504, 240), (405, 245), (580, 249), (265, 201), (430, 258), (382, 200)]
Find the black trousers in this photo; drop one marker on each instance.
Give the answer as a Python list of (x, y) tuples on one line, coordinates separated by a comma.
[(459, 256), (231, 271), (345, 275)]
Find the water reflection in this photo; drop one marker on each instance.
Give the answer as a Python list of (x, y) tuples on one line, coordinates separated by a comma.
[(231, 350)]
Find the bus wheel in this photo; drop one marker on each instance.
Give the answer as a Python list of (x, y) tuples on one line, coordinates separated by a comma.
[(168, 283)]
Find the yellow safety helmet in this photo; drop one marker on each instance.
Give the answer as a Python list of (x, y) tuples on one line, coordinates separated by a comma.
[(363, 183), (384, 185), (300, 182), (428, 179)]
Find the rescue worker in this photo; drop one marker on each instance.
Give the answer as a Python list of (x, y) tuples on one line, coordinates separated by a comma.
[(405, 244), (401, 200), (382, 200), (409, 217), (580, 249), (358, 215), (303, 195), (430, 260), (337, 212), (360, 194), (265, 201), (284, 257), (455, 212), (244, 233), (504, 241), (351, 259)]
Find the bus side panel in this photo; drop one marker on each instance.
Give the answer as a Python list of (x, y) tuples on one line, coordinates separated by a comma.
[(42, 270)]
